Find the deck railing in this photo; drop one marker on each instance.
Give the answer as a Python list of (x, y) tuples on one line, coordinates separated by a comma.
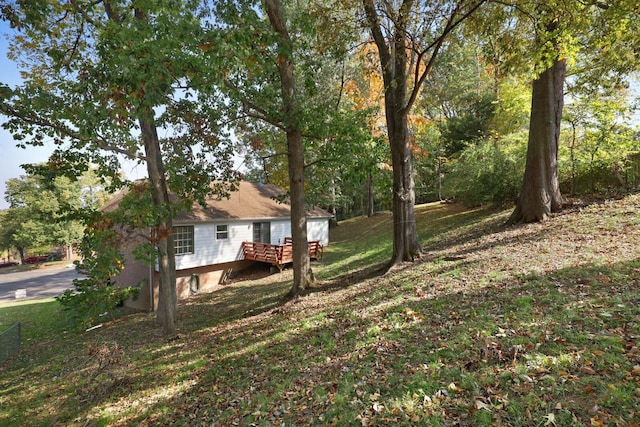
[(266, 252), (277, 255), (315, 247)]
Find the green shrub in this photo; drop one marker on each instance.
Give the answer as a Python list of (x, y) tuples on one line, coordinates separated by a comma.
[(102, 259), (489, 171), (90, 299)]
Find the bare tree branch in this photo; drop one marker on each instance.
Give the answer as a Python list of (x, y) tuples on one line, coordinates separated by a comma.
[(452, 23)]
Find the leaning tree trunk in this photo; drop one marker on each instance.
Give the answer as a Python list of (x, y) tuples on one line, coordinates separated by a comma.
[(540, 194), (302, 273), (162, 235)]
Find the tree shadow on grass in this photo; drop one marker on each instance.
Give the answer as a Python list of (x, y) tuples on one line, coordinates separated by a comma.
[(244, 299), (247, 299), (243, 346), (348, 279), (275, 360)]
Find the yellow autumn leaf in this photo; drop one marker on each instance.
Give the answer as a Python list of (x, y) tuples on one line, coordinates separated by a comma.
[(479, 404), (551, 419)]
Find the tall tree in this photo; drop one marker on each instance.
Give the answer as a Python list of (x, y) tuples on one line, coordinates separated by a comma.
[(42, 210), (540, 194), (302, 273), (561, 31), (272, 74), (409, 35), (19, 231), (103, 77)]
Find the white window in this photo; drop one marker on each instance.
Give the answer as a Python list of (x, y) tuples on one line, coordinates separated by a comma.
[(222, 231), (183, 239)]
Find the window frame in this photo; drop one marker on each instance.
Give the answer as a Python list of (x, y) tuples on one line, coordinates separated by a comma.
[(184, 239), (222, 235)]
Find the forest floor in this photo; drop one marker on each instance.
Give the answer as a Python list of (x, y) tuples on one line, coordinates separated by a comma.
[(525, 325)]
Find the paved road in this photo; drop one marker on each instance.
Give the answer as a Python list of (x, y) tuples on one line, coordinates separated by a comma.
[(43, 283)]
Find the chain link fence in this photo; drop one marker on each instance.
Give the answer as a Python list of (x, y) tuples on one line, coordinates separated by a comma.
[(10, 340)]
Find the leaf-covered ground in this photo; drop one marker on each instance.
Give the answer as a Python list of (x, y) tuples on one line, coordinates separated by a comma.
[(527, 325)]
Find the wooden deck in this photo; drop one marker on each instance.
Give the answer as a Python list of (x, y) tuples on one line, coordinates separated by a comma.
[(278, 255)]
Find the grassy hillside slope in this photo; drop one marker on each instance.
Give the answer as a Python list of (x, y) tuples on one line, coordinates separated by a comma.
[(528, 325)]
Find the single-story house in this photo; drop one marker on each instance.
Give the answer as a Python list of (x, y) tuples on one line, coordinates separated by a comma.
[(214, 240)]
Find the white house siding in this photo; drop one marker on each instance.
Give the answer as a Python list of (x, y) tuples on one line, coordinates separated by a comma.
[(279, 230), (208, 250), (318, 229)]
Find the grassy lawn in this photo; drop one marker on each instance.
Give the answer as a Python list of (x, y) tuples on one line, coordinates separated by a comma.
[(41, 265), (519, 326)]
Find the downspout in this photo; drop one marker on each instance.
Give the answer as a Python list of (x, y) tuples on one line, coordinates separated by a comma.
[(151, 287)]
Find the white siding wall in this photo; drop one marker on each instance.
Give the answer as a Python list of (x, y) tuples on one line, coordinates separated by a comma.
[(208, 250), (280, 230), (318, 229)]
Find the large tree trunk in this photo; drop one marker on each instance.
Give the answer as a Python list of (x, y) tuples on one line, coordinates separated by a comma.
[(540, 194), (163, 235), (302, 273), (393, 60), (390, 26), (405, 238)]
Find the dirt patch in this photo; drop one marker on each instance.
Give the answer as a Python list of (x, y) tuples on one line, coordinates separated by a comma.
[(258, 270)]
